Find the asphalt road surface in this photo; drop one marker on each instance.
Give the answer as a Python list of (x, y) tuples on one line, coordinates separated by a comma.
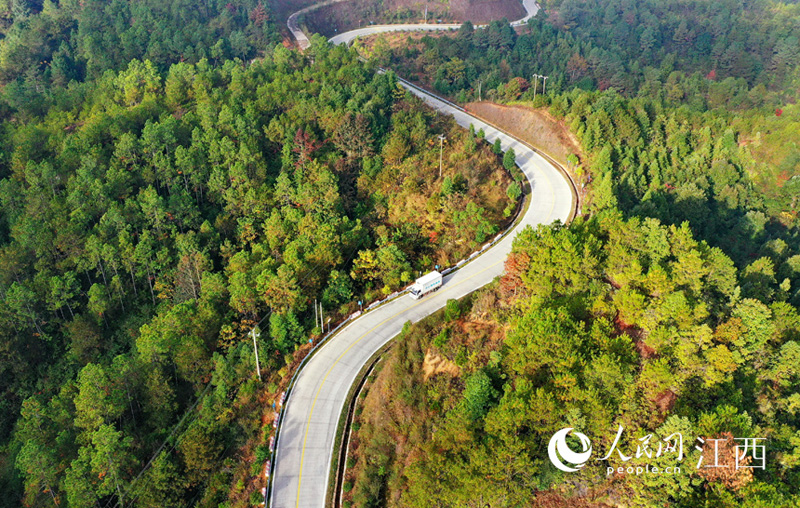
[(305, 444)]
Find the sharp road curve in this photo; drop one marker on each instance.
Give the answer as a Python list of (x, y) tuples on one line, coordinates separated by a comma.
[(304, 450), (531, 8)]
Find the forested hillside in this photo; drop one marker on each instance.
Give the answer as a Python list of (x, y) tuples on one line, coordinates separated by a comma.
[(663, 139), (754, 40), (47, 45), (151, 219), (607, 322), (620, 44)]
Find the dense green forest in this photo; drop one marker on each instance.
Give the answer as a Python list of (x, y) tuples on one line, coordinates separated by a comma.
[(603, 323), (153, 215), (620, 44), (49, 47)]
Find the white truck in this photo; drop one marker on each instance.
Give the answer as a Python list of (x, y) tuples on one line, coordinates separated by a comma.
[(425, 284)]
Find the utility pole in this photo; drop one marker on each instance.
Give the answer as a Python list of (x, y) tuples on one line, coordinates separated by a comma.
[(479, 90), (316, 314), (255, 348), (544, 85), (535, 84), (426, 14), (321, 322), (441, 150)]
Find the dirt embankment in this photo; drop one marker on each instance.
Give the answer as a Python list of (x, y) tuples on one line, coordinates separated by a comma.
[(483, 11), (534, 126), (346, 15), (436, 364)]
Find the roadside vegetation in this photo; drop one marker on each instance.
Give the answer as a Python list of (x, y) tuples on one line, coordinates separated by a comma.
[(698, 127), (607, 322)]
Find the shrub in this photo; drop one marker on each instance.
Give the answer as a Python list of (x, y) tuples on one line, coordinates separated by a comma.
[(447, 186), (256, 499), (478, 395), (452, 310), (461, 357), (262, 453), (440, 340)]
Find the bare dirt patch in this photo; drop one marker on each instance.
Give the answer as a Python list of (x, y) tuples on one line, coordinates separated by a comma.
[(435, 364), (482, 11), (534, 126)]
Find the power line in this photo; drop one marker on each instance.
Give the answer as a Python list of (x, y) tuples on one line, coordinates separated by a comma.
[(205, 390), (163, 444)]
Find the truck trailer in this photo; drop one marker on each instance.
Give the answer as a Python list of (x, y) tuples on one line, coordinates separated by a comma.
[(425, 284)]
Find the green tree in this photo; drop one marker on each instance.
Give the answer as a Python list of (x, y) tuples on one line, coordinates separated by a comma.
[(510, 160), (285, 331), (138, 82), (479, 394), (339, 289), (98, 401), (452, 310)]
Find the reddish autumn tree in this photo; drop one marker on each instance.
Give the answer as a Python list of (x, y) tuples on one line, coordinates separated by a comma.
[(577, 66), (304, 146), (259, 15), (511, 283)]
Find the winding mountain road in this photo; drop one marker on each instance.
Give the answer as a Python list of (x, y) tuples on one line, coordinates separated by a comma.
[(304, 450), (531, 8)]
